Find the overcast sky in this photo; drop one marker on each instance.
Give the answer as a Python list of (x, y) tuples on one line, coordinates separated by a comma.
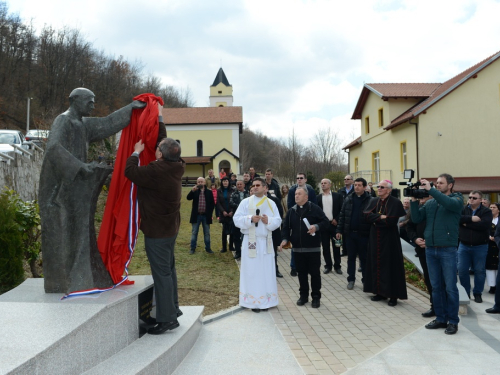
[(291, 63)]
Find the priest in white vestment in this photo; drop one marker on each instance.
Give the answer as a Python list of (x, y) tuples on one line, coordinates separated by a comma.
[(257, 216)]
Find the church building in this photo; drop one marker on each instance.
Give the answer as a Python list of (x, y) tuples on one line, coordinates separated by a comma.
[(209, 136)]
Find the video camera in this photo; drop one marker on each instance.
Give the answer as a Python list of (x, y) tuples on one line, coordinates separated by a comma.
[(413, 189)]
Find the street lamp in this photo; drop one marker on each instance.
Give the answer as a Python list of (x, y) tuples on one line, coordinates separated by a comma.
[(28, 116)]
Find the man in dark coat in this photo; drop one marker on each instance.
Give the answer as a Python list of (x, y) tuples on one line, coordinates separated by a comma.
[(306, 243), (159, 197), (201, 213), (236, 198), (354, 230), (344, 192), (331, 204), (385, 272)]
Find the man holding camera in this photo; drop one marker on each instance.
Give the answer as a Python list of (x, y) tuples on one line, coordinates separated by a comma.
[(443, 215), (201, 213)]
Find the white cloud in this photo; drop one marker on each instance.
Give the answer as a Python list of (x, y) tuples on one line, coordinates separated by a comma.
[(298, 63)]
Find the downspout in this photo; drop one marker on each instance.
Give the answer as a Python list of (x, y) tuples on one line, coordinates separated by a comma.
[(416, 137), (348, 161)]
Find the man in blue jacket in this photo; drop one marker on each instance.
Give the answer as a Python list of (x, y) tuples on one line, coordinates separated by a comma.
[(443, 215)]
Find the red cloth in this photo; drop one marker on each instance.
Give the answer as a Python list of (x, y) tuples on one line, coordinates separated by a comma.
[(118, 233)]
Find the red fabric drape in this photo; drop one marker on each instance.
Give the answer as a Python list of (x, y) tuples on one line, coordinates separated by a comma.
[(120, 223)]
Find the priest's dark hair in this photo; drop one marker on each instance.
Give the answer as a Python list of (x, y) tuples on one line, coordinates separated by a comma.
[(362, 180)]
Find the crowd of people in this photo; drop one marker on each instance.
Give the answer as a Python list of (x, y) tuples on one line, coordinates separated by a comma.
[(260, 217)]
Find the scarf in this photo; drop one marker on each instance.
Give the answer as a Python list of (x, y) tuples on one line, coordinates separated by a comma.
[(252, 238)]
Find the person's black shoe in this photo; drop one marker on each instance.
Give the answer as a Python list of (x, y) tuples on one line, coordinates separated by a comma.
[(429, 313), (393, 302), (179, 312), (223, 251), (451, 329), (256, 310), (293, 273), (493, 289), (478, 298), (338, 271), (209, 251), (191, 251), (377, 297), (435, 325), (237, 256), (315, 303), (492, 310), (160, 328), (327, 270), (301, 302), (278, 274)]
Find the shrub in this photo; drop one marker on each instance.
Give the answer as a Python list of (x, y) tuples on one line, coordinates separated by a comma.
[(11, 250)]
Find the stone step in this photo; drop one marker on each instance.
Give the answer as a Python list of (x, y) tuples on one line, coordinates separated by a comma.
[(156, 354), (42, 334)]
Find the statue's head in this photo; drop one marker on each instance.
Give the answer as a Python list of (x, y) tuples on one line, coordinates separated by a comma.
[(82, 100)]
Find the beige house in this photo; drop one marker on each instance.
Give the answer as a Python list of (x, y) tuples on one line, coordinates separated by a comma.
[(209, 136), (432, 128)]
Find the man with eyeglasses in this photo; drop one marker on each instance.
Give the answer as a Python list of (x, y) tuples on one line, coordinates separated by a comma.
[(257, 216), (474, 235), (385, 271), (442, 215), (302, 182)]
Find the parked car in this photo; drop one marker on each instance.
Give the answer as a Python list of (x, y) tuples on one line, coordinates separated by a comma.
[(38, 136), (8, 137)]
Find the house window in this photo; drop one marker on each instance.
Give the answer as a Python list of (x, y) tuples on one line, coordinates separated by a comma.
[(220, 92), (356, 165), (367, 124), (376, 166), (404, 163), (199, 148), (381, 117)]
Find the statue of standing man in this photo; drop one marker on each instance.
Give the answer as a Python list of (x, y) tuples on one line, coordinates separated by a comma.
[(69, 189)]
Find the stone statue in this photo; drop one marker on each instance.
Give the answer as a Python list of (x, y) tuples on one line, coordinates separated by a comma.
[(69, 189)]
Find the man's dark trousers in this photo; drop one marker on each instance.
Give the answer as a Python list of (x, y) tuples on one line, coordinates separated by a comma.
[(357, 245), (328, 237), (160, 252), (308, 263)]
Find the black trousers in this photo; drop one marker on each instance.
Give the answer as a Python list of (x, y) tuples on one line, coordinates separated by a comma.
[(160, 252), (328, 237), (237, 237), (423, 261), (308, 264)]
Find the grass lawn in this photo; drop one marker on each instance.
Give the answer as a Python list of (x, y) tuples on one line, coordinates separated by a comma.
[(211, 280)]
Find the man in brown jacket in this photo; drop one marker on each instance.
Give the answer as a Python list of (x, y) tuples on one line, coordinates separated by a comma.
[(159, 196)]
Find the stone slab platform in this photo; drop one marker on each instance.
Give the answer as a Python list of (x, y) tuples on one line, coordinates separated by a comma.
[(43, 334)]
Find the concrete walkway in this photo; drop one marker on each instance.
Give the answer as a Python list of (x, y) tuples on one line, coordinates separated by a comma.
[(348, 333)]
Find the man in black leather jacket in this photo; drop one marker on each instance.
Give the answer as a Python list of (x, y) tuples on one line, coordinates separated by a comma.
[(355, 229)]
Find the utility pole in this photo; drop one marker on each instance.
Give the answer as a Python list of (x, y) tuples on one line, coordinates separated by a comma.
[(28, 116)]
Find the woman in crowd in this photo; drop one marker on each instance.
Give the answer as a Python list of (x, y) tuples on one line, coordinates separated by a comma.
[(492, 257), (222, 173), (284, 197), (225, 211)]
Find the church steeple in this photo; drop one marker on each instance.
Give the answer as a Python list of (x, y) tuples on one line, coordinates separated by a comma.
[(221, 92)]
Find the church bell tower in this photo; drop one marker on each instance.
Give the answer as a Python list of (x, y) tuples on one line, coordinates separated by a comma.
[(221, 92)]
